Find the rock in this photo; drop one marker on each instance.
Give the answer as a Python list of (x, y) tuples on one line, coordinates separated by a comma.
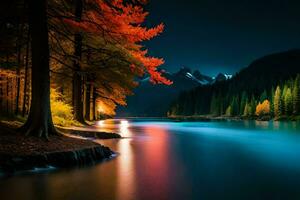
[(65, 159)]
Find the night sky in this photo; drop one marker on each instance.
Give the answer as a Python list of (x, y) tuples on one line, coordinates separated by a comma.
[(222, 35)]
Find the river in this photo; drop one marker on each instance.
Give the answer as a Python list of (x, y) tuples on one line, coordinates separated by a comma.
[(161, 159)]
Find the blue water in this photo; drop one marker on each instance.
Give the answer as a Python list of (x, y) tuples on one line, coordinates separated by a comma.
[(161, 159)]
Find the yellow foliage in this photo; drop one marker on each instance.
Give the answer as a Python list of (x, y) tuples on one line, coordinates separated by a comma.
[(106, 107), (263, 108), (62, 113)]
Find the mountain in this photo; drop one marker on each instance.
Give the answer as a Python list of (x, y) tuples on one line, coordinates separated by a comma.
[(203, 79), (221, 77), (251, 85), (154, 100)]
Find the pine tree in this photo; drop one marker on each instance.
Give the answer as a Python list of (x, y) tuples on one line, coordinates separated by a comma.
[(296, 96), (244, 100), (247, 110), (288, 102), (221, 104), (235, 106), (283, 94), (277, 103), (272, 101), (252, 105), (229, 111), (214, 106)]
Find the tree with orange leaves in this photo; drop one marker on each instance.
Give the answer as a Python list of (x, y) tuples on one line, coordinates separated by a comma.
[(120, 24), (263, 108), (111, 52)]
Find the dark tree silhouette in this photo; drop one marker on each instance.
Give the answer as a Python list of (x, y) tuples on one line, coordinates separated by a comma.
[(39, 122), (77, 77)]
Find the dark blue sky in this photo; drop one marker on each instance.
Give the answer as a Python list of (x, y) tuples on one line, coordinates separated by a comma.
[(222, 35)]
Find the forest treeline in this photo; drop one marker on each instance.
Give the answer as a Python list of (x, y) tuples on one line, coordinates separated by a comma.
[(268, 88), (279, 102), (87, 52)]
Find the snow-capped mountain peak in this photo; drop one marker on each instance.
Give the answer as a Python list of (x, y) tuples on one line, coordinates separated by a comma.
[(185, 75), (222, 77)]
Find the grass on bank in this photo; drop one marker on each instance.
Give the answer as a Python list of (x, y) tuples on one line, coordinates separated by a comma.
[(62, 113)]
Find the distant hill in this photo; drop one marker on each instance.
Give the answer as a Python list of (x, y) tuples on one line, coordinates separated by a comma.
[(154, 100), (251, 85), (268, 71)]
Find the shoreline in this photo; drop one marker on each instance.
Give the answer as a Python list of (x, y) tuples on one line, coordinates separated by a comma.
[(203, 118), (20, 153), (206, 118), (89, 134)]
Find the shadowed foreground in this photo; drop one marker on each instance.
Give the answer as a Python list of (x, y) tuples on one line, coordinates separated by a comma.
[(18, 152)]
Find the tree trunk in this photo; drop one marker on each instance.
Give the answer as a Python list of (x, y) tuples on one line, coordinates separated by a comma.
[(7, 88), (94, 104), (39, 122), (26, 75), (88, 102), (77, 76), (18, 72), (7, 97), (1, 95), (77, 98), (19, 61)]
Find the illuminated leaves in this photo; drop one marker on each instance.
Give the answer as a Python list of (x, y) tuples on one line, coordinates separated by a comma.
[(263, 108), (121, 24), (62, 113)]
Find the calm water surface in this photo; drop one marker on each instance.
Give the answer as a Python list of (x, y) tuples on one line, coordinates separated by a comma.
[(188, 160)]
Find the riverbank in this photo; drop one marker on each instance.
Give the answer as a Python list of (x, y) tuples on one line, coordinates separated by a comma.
[(22, 153), (226, 118), (89, 134), (205, 118)]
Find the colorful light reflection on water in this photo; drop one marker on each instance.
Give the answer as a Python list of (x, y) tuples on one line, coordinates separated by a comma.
[(160, 159)]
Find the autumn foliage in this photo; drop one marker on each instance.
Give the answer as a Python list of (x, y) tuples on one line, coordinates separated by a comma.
[(263, 108), (95, 53), (62, 113), (120, 24)]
